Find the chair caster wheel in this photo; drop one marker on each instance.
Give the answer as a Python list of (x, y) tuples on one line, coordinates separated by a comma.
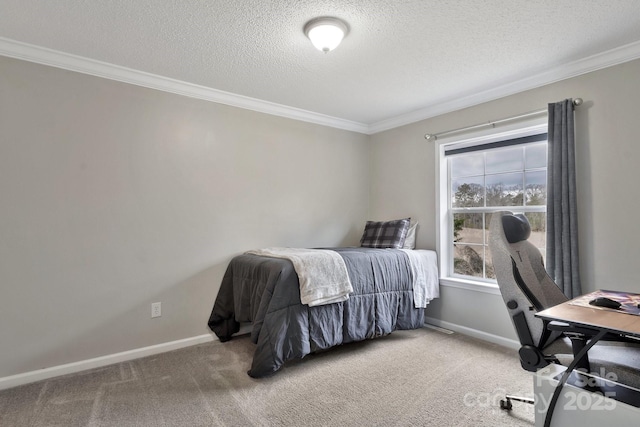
[(506, 405)]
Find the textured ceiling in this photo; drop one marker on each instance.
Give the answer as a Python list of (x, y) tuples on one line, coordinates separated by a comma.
[(399, 57)]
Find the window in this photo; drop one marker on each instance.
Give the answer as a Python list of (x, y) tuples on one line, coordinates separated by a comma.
[(506, 171)]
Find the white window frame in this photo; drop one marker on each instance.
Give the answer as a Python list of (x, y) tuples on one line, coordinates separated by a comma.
[(443, 237)]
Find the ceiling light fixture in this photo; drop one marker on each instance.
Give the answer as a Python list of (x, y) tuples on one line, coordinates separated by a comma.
[(326, 33)]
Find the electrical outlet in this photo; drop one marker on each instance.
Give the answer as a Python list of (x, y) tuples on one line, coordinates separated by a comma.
[(156, 309)]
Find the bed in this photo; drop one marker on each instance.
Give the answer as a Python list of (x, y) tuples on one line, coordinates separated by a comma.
[(390, 289)]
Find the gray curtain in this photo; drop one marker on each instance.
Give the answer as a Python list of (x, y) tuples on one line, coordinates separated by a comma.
[(562, 210)]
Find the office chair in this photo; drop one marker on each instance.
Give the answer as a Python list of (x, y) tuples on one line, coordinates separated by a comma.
[(526, 289)]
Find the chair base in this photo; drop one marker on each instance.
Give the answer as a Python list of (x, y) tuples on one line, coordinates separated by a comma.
[(506, 405)]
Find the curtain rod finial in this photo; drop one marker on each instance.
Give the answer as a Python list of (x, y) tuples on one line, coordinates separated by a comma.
[(577, 101), (430, 137)]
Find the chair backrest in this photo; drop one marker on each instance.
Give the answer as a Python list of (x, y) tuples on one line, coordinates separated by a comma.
[(523, 281)]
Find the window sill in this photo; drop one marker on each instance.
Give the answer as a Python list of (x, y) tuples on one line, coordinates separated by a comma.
[(489, 288)]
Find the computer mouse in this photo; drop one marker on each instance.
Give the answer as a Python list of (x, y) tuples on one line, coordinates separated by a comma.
[(605, 302)]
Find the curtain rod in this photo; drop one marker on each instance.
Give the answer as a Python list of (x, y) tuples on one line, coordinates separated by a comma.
[(434, 136)]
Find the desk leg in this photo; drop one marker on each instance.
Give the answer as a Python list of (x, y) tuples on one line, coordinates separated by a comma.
[(565, 375)]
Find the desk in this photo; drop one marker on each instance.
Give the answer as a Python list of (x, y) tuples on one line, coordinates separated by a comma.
[(624, 321), (577, 312)]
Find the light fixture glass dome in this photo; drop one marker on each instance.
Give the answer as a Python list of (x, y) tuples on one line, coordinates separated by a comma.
[(325, 33)]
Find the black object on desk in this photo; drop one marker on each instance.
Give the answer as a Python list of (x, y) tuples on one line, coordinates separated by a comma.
[(605, 302)]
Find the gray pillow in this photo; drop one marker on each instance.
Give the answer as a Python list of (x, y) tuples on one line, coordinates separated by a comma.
[(516, 228), (385, 234)]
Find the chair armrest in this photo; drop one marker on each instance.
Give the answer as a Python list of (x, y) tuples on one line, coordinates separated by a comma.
[(573, 331), (568, 329)]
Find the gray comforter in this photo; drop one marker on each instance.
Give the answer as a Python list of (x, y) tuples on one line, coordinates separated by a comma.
[(265, 291)]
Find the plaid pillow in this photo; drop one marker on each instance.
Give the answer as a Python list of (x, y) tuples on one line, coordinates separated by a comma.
[(385, 234)]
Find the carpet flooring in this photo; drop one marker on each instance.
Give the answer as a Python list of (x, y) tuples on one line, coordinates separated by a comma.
[(410, 378)]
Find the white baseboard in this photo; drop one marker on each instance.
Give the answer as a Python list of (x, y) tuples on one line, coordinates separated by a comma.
[(69, 368), (496, 339)]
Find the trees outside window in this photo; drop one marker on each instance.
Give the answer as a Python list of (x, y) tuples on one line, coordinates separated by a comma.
[(508, 175)]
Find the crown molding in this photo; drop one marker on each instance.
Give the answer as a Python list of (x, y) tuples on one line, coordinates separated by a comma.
[(54, 58), (50, 57), (595, 62)]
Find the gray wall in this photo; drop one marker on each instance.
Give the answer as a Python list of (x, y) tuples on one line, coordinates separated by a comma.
[(116, 196), (403, 182)]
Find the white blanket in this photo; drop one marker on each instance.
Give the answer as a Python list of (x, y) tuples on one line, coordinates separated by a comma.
[(424, 266), (322, 273)]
